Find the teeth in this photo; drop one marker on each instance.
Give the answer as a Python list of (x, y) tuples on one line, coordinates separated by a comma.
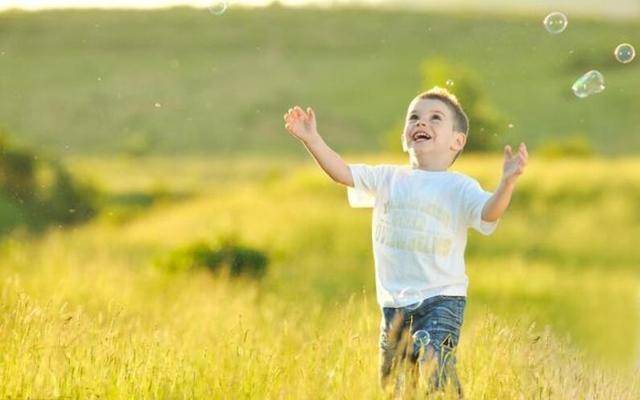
[(421, 135)]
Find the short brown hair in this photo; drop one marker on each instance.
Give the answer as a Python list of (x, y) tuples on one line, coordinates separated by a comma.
[(460, 119)]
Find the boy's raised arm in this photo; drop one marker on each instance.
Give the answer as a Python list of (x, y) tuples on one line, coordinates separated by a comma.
[(302, 126), (513, 167)]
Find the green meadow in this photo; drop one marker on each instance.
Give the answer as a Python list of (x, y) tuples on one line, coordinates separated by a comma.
[(175, 116), (552, 311)]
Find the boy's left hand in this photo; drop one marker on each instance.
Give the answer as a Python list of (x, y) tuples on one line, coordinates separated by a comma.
[(514, 164)]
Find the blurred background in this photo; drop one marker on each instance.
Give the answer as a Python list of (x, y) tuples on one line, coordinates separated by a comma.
[(152, 204)]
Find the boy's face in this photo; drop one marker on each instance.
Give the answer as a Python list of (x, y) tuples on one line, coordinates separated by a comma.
[(429, 128)]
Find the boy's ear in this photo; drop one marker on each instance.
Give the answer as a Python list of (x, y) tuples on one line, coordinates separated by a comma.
[(459, 140)]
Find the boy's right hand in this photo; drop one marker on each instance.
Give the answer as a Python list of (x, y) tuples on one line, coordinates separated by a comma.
[(301, 125)]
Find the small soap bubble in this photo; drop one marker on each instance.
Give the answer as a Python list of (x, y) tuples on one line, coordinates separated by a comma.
[(218, 7), (588, 84), (510, 126), (157, 105), (450, 82), (556, 22), (625, 53), (414, 306), (411, 295), (407, 293), (421, 338)]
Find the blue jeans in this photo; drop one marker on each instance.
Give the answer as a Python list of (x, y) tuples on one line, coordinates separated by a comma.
[(441, 317)]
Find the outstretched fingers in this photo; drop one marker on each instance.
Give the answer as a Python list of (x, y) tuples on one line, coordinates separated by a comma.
[(288, 115), (296, 115), (311, 114), (299, 113), (508, 153), (523, 151)]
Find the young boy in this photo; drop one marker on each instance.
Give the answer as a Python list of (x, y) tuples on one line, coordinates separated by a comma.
[(420, 220)]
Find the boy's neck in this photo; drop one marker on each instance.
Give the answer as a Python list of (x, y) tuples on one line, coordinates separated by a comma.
[(429, 162)]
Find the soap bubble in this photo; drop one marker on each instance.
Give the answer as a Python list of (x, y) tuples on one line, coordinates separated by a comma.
[(408, 293), (414, 306), (411, 295), (450, 82), (218, 7), (556, 22), (588, 84), (421, 338), (625, 53)]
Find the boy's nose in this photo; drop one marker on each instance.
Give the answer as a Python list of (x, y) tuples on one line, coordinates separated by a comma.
[(421, 123)]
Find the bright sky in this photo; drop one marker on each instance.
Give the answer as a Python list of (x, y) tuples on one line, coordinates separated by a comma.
[(40, 4), (628, 9)]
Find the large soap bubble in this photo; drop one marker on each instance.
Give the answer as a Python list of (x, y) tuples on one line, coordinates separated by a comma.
[(218, 7), (556, 22), (588, 84), (625, 53)]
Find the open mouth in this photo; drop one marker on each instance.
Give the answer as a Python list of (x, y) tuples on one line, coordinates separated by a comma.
[(421, 136)]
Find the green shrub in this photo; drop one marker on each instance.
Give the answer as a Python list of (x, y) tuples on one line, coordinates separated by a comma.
[(228, 255)]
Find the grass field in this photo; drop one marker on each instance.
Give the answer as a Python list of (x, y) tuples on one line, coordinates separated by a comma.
[(176, 116), (84, 313), (183, 80)]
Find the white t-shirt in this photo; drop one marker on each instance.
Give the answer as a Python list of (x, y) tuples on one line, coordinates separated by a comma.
[(419, 229)]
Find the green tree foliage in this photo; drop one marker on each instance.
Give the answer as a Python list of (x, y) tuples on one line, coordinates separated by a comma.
[(25, 197), (485, 121), (17, 172), (67, 201)]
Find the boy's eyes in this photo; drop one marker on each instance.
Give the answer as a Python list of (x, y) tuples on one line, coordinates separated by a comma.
[(434, 116)]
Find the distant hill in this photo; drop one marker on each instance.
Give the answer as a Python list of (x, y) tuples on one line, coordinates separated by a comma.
[(186, 81)]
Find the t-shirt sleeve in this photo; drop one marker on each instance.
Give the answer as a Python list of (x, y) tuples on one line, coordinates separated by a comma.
[(368, 178), (367, 183), (473, 200)]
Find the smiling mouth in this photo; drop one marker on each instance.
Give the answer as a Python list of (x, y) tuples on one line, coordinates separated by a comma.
[(421, 136)]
